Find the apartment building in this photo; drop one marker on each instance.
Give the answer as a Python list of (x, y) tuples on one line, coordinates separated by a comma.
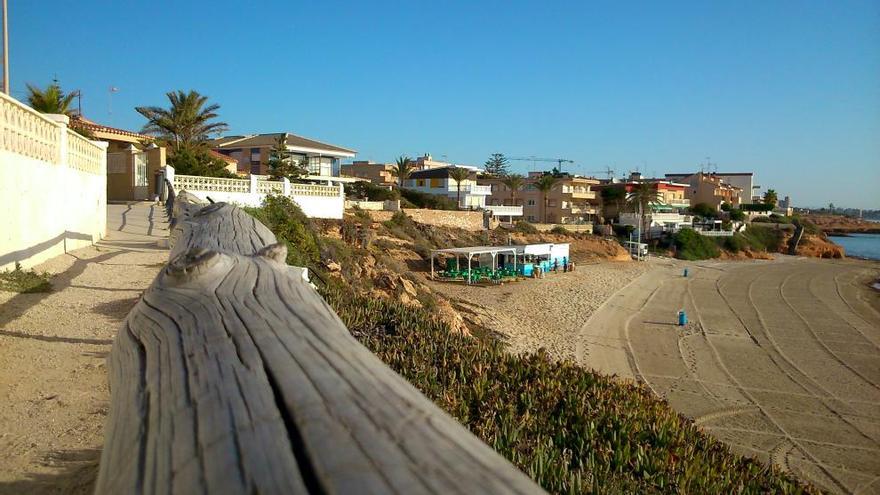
[(670, 195), (378, 173), (710, 189), (718, 186), (253, 152), (436, 180), (572, 199)]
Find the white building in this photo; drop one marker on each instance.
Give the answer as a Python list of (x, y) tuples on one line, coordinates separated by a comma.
[(657, 223), (437, 181)]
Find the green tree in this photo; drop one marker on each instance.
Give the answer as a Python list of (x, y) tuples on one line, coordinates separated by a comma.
[(281, 162), (642, 198), (737, 215), (49, 100), (198, 161), (402, 169), (514, 182), (613, 195), (770, 197), (188, 121), (459, 175), (545, 184), (496, 165), (703, 210)]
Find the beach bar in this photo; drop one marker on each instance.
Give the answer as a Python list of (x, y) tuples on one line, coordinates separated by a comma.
[(470, 252), (512, 260)]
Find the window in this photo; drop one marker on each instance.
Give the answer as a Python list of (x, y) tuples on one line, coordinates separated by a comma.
[(420, 182), (255, 154), (436, 182), (564, 205), (551, 203), (531, 218), (531, 202)]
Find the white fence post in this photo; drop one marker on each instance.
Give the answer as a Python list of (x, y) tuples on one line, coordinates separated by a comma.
[(254, 180), (285, 186)]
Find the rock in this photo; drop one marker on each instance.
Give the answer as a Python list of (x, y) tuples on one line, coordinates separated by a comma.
[(408, 287), (333, 266)]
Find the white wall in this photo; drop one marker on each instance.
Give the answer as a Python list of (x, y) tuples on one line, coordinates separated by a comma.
[(315, 204), (49, 207)]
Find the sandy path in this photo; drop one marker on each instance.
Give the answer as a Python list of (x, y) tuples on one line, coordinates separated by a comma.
[(53, 381), (535, 313), (780, 359)]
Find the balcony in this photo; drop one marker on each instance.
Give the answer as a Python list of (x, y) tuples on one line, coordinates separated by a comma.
[(477, 190), (582, 194), (578, 210), (680, 203), (504, 211)]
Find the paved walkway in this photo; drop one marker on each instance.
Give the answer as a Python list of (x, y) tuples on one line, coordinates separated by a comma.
[(53, 347), (781, 359)]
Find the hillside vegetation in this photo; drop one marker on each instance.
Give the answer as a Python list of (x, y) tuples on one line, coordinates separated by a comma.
[(572, 430)]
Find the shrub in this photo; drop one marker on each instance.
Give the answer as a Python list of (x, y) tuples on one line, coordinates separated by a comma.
[(689, 245), (24, 281), (524, 227), (570, 429), (762, 220), (559, 229), (735, 243), (763, 238), (197, 161), (430, 201), (756, 207), (291, 226), (737, 215), (373, 192), (703, 210)]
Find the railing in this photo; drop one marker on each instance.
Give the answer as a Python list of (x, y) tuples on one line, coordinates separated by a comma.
[(270, 187), (715, 233), (314, 190), (27, 132), (498, 210), (83, 155), (476, 189), (211, 184), (581, 194), (233, 375)]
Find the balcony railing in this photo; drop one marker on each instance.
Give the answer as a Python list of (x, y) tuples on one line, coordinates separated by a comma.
[(479, 190), (497, 210), (575, 194)]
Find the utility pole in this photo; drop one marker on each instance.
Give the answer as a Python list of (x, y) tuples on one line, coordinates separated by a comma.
[(5, 49)]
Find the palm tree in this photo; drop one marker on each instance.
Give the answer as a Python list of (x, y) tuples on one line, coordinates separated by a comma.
[(641, 198), (514, 182), (545, 184), (50, 100), (459, 174), (770, 197), (402, 169), (188, 122)]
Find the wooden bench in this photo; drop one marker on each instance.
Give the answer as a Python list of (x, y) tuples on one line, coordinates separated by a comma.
[(232, 375)]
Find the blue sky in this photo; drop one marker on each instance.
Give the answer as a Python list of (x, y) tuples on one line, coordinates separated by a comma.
[(789, 90)]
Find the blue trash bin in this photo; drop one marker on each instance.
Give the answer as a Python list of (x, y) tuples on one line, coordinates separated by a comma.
[(682, 318)]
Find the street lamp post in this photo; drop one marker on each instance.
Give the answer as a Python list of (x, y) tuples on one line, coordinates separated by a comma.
[(5, 50)]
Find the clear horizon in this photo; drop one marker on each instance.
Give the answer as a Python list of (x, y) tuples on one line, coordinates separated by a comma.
[(790, 90)]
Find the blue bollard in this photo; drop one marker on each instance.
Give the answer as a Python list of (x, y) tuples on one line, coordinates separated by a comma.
[(682, 318), (685, 272)]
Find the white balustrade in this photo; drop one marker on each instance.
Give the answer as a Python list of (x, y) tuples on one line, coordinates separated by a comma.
[(27, 132), (83, 155), (270, 187), (211, 184)]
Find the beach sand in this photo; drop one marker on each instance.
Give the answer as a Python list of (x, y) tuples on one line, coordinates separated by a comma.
[(780, 359), (541, 313)]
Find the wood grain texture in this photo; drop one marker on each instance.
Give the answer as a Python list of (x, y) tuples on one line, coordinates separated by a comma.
[(232, 375)]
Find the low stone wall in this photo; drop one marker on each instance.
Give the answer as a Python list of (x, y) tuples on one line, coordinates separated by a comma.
[(467, 220)]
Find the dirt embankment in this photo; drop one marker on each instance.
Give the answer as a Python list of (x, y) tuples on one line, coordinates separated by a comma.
[(816, 246), (396, 266), (839, 224)]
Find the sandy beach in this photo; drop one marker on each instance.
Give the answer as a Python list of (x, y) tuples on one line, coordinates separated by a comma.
[(542, 313), (780, 359)]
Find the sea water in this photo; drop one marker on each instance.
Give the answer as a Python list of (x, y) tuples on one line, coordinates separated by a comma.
[(860, 245)]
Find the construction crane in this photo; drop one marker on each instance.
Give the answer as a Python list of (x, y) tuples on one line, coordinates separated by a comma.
[(559, 161), (608, 171)]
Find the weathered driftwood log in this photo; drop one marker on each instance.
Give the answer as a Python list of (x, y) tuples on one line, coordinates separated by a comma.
[(231, 375)]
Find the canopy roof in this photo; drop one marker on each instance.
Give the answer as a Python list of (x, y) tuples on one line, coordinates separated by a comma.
[(470, 251)]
